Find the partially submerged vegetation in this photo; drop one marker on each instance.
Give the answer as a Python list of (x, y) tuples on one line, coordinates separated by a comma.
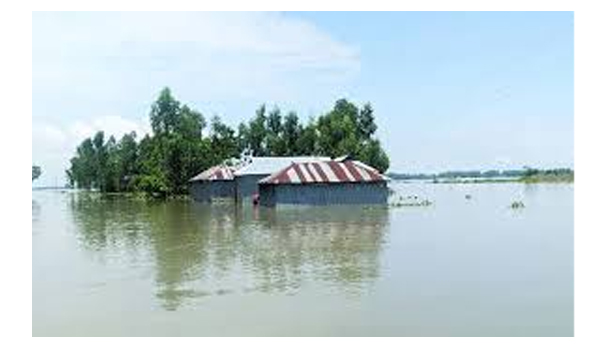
[(517, 205), (526, 175), (179, 147), (410, 201), (459, 174), (473, 181), (561, 175)]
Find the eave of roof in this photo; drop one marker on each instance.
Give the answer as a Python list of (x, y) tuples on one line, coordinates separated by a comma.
[(215, 173)]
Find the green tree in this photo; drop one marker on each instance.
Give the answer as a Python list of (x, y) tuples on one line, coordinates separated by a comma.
[(190, 123), (338, 130), (223, 141), (100, 160), (111, 166), (83, 166), (177, 148), (529, 172), (162, 163), (373, 154), (307, 142), (152, 178), (291, 133), (127, 154), (257, 132), (164, 113), (274, 142), (348, 130), (366, 122), (243, 138)]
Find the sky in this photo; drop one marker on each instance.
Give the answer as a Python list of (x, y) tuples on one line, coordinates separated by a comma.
[(454, 90)]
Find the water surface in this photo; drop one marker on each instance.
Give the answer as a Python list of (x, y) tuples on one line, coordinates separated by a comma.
[(109, 265)]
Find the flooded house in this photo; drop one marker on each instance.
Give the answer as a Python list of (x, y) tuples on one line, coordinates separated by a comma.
[(258, 168), (215, 182), (324, 183)]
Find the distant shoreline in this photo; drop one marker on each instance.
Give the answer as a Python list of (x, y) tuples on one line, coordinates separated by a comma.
[(534, 180), (527, 176)]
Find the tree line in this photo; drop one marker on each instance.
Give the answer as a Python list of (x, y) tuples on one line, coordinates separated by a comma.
[(524, 174), (182, 144)]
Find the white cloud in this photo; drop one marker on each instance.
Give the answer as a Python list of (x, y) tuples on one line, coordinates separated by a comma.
[(54, 145), (50, 136), (63, 136), (218, 54), (111, 125), (114, 64), (268, 34)]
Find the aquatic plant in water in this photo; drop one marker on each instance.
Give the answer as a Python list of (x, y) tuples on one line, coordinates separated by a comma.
[(517, 205), (410, 201)]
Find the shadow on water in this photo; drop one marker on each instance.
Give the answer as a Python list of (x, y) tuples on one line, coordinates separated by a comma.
[(199, 250)]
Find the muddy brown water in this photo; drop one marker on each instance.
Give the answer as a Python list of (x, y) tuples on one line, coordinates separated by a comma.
[(116, 266)]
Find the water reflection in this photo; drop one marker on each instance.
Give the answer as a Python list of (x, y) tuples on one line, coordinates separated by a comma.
[(197, 250), (36, 210), (338, 245), (108, 223), (530, 189)]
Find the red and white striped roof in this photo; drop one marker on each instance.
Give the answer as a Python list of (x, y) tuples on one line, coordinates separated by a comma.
[(219, 172), (324, 172)]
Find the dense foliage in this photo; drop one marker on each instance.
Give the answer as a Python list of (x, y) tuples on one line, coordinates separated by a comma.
[(533, 175), (178, 148), (36, 171)]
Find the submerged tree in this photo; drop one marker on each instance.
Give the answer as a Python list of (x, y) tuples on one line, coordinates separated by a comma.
[(163, 162)]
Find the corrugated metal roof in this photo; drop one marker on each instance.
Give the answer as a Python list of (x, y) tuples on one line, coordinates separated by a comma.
[(270, 165), (324, 172), (219, 172)]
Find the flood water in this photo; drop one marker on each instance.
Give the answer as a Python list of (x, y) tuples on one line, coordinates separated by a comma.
[(109, 265)]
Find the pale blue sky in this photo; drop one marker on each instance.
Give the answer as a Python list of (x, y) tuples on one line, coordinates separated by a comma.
[(450, 90)]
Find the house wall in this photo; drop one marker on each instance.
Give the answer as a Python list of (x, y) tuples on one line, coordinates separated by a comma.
[(267, 195), (205, 191), (200, 191), (247, 185), (324, 193)]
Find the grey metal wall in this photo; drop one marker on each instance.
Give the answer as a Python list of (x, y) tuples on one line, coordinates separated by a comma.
[(205, 191), (200, 191), (247, 185), (267, 195), (324, 193)]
